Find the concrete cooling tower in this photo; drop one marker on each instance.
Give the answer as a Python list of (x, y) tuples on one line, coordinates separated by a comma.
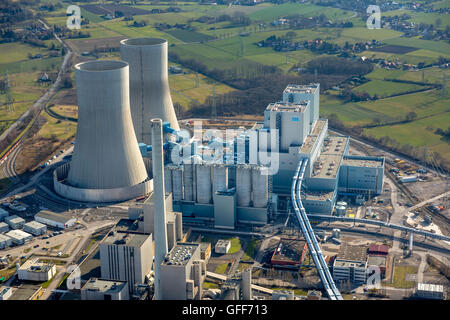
[(149, 84), (106, 164)]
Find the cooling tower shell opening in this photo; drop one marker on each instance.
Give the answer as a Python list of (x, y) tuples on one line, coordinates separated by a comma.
[(149, 84), (106, 155)]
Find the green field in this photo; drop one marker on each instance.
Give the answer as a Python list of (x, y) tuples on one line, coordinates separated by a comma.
[(386, 88), (189, 36), (273, 12)]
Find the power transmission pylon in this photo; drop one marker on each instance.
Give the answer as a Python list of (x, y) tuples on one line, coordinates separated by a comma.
[(196, 80), (8, 99), (444, 84), (213, 109)]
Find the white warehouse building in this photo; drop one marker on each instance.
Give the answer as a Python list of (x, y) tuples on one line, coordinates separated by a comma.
[(19, 237), (54, 220)]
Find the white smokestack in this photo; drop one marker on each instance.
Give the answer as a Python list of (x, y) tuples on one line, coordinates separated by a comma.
[(159, 201)]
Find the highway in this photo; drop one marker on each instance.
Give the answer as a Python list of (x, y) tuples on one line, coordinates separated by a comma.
[(313, 246)]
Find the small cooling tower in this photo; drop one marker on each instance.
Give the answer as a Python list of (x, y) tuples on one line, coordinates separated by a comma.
[(149, 84), (106, 164)]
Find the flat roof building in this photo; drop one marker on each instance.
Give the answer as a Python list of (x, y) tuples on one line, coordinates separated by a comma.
[(35, 228), (126, 257), (104, 289), (33, 270), (15, 222), (3, 214), (222, 246), (350, 264), (430, 291), (4, 227), (5, 241), (5, 293), (182, 273), (289, 252), (54, 219), (19, 237)]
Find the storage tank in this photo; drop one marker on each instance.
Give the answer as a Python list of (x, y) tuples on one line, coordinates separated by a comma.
[(177, 183), (260, 182), (220, 178), (188, 182), (341, 203), (341, 211), (106, 153), (168, 179), (149, 84), (243, 185), (203, 175)]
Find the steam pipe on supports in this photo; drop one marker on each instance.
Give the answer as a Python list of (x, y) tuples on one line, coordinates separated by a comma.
[(159, 203)]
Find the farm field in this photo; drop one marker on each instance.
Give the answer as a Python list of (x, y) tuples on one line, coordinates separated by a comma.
[(184, 90), (386, 88), (24, 92)]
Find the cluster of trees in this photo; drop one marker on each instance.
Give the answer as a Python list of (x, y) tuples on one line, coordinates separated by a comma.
[(236, 19), (336, 65), (444, 133), (241, 76)]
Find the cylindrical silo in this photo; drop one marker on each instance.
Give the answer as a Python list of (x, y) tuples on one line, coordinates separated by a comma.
[(106, 153), (168, 179), (220, 178), (149, 85), (203, 174), (177, 183), (243, 185), (260, 183), (188, 181)]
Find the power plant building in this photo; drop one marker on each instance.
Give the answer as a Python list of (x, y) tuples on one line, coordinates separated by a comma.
[(104, 289), (246, 185), (126, 257), (182, 273)]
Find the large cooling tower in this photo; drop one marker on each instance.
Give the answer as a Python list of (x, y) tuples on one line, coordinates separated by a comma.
[(106, 153), (149, 84)]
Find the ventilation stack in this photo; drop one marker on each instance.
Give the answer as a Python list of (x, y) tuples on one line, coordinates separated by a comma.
[(106, 163), (149, 84)]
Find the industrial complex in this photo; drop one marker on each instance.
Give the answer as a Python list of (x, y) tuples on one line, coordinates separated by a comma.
[(260, 196)]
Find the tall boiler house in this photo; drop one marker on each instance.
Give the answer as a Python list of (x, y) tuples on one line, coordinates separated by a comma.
[(149, 84)]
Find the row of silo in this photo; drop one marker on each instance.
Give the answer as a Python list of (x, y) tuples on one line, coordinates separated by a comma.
[(198, 181)]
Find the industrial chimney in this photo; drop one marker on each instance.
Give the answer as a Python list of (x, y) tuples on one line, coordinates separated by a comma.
[(149, 84), (159, 201), (106, 154)]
